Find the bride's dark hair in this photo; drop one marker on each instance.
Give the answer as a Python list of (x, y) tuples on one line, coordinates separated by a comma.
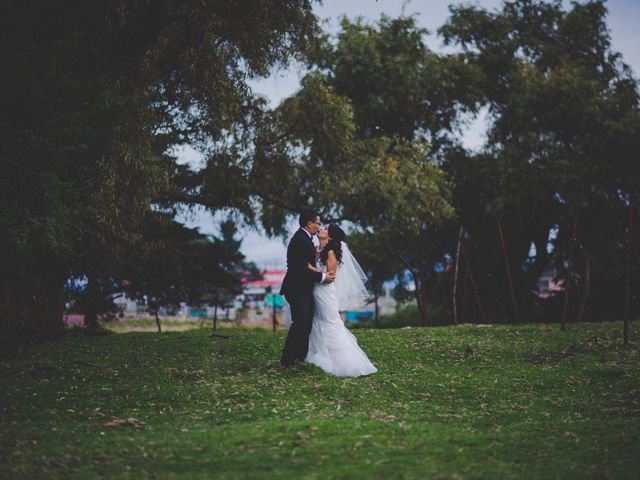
[(336, 235)]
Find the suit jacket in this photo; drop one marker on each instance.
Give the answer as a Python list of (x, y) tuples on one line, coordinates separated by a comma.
[(299, 279)]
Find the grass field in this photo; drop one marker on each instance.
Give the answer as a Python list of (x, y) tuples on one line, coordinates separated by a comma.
[(465, 402), (149, 325)]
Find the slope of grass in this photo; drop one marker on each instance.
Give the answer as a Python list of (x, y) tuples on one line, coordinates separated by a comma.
[(465, 402)]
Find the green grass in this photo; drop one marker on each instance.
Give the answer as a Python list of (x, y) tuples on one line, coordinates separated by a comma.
[(465, 402), (142, 324)]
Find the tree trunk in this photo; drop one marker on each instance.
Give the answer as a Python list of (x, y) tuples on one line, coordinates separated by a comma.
[(273, 312), (215, 316), (422, 305), (422, 308), (158, 319), (627, 283), (465, 295), (542, 257), (31, 308), (420, 298), (567, 283), (455, 277), (376, 296), (90, 313), (508, 269), (587, 290), (467, 261)]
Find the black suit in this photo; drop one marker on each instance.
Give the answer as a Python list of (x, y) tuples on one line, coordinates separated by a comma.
[(297, 287)]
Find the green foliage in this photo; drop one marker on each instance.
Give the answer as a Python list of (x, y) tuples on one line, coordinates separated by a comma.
[(468, 402), (406, 100), (558, 97), (94, 98), (398, 87), (307, 154), (380, 264), (93, 297), (354, 143), (177, 264)]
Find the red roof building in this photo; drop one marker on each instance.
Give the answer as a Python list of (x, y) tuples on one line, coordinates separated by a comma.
[(270, 278)]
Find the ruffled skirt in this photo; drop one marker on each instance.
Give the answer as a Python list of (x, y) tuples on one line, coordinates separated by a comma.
[(332, 347)]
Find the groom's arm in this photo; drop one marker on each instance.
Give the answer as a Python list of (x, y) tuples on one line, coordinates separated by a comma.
[(299, 261)]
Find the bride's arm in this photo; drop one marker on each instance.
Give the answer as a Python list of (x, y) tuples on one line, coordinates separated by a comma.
[(332, 262), (312, 268)]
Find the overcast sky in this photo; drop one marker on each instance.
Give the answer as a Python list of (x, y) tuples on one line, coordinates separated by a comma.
[(623, 21)]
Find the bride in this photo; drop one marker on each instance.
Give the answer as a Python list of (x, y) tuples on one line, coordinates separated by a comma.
[(332, 347)]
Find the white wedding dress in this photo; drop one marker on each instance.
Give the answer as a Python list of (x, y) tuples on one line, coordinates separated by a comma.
[(332, 347)]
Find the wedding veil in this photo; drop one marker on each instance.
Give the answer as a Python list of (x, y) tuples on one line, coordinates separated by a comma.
[(350, 280)]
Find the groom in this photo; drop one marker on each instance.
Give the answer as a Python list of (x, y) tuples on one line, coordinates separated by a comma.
[(297, 288)]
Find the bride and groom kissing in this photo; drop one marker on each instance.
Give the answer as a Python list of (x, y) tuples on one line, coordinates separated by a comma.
[(320, 282)]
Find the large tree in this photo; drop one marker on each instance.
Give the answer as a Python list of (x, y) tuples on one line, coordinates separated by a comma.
[(94, 98), (562, 105), (372, 137), (177, 264), (364, 139)]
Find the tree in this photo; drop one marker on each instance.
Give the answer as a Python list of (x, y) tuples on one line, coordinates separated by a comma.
[(383, 184), (94, 99), (177, 264), (397, 86), (401, 90), (558, 97), (378, 262), (364, 139)]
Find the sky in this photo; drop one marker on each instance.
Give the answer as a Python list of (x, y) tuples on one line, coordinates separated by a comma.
[(623, 22)]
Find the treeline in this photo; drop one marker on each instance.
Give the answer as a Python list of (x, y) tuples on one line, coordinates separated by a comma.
[(555, 187), (96, 100)]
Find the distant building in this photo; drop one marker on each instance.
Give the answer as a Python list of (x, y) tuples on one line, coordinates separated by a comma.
[(125, 304), (270, 283), (263, 293), (548, 286)]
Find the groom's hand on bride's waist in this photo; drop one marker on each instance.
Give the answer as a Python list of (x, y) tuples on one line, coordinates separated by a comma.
[(329, 277)]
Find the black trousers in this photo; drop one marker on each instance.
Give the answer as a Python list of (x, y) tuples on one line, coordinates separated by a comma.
[(297, 343)]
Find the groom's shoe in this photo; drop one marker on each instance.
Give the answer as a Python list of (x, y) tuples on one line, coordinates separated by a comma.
[(291, 363), (288, 363)]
